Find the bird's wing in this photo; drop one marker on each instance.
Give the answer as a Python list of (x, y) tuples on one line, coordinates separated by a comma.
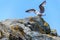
[(30, 10), (42, 7)]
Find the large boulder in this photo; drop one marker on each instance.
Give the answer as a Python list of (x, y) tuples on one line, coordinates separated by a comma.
[(32, 28)]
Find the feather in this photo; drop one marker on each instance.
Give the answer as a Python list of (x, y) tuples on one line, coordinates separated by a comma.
[(42, 7), (30, 10)]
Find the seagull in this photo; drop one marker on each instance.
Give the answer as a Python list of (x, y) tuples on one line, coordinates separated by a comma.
[(39, 13)]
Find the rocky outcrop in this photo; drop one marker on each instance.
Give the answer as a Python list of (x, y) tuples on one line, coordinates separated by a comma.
[(32, 28)]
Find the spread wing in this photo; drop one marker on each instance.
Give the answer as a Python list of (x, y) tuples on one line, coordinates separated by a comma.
[(41, 6), (30, 10)]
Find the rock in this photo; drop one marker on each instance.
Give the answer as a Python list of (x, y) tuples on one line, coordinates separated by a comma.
[(53, 32), (32, 28), (4, 38), (47, 28), (11, 37), (1, 34)]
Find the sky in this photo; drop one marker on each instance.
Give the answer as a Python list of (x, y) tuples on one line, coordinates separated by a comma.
[(12, 9)]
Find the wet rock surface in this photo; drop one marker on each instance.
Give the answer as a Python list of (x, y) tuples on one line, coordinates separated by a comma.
[(32, 28)]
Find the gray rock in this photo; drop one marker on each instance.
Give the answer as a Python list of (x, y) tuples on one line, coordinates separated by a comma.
[(35, 28)]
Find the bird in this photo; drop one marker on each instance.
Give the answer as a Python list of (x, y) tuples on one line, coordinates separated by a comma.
[(41, 7)]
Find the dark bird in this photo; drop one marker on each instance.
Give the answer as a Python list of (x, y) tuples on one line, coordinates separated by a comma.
[(41, 7)]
